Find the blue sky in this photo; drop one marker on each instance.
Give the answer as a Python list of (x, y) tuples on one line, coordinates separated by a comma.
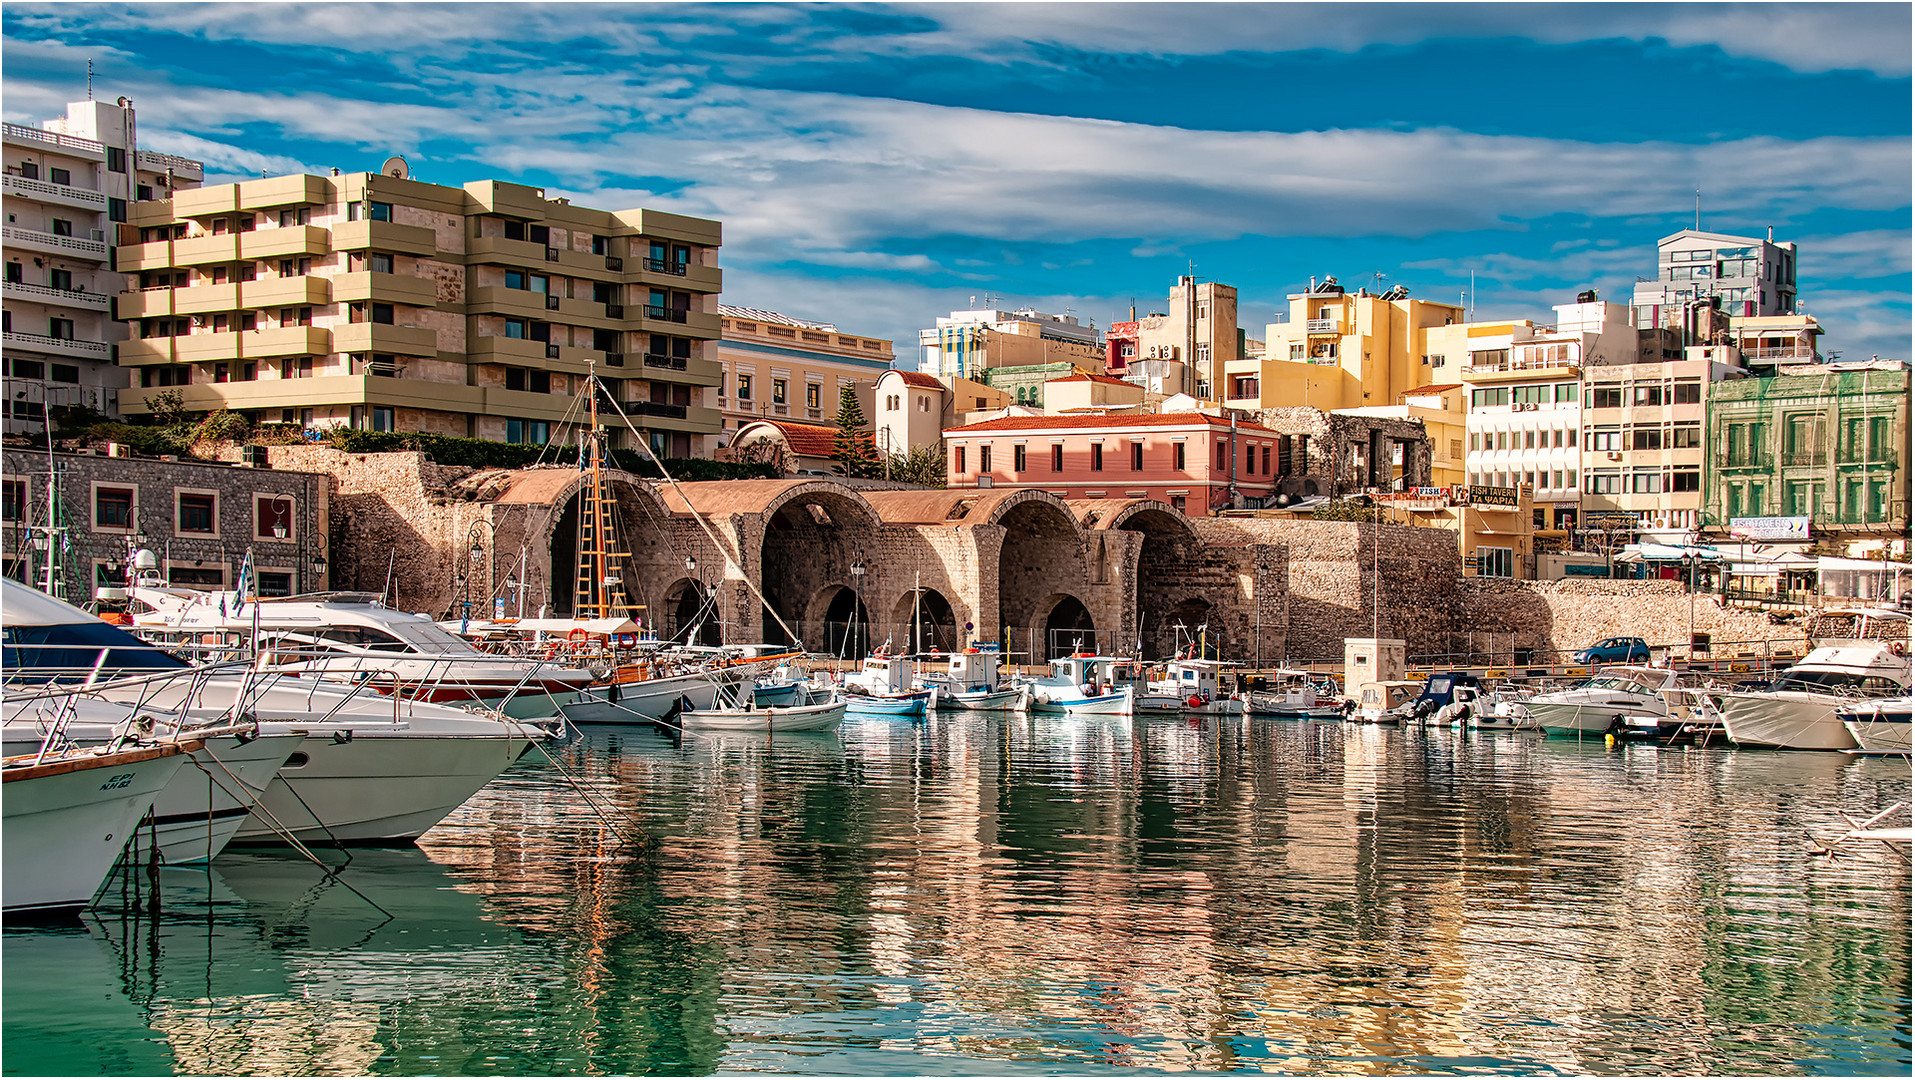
[(877, 166)]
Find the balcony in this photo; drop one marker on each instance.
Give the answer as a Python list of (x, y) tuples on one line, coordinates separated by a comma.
[(264, 293), (666, 266), (516, 303), (1801, 354), (1804, 457), (677, 315), (497, 249), (656, 408), (240, 345), (19, 187), (696, 324), (225, 248), (1323, 326), (186, 168), (319, 391), (72, 145), (526, 405), (53, 346), (657, 416), (674, 363), (677, 369), (386, 338), (54, 243), (385, 288), (384, 236), (47, 294), (499, 349)]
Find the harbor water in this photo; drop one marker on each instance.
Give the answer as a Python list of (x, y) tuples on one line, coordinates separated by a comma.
[(990, 893)]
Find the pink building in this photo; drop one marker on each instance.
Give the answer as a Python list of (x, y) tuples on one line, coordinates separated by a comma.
[(1193, 461)]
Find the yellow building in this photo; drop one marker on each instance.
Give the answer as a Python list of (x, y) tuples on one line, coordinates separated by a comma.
[(780, 368), (380, 302), (1341, 350)]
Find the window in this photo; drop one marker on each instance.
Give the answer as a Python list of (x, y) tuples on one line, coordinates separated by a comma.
[(1498, 395), (534, 432), (1266, 461), (984, 458), (382, 313), (1605, 439), (60, 329), (273, 518), (1648, 395), (1475, 440), (744, 390), (1057, 457), (1017, 458), (1529, 440), (814, 394), (197, 513), (1646, 439), (778, 391), (59, 175), (113, 507), (209, 577), (13, 500), (514, 328), (379, 211), (115, 159), (1685, 480), (1136, 456), (1223, 456), (1688, 392), (957, 459), (1502, 439), (275, 583), (62, 227), (1096, 457), (1604, 397), (1495, 562), (1685, 436), (382, 418), (1177, 456), (1249, 460), (379, 263), (1603, 483), (1645, 482), (1566, 391), (115, 209), (30, 170)]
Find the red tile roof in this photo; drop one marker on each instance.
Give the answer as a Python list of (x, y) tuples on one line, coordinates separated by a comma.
[(917, 378), (1152, 420), (1423, 390), (808, 440), (1085, 376)]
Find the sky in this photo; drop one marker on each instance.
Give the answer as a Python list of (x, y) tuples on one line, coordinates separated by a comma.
[(877, 166)]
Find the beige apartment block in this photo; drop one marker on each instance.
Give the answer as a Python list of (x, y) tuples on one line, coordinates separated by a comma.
[(380, 302), (1343, 350), (1187, 348), (68, 184), (1642, 436), (780, 368), (966, 344)]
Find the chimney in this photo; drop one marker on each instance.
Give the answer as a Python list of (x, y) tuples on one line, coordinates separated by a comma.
[(1771, 234)]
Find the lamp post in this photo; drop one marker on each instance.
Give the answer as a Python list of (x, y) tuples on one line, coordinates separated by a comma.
[(857, 599), (476, 538), (1256, 600), (1691, 559)]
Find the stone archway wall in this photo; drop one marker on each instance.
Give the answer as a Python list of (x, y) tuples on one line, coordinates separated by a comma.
[(1043, 552)]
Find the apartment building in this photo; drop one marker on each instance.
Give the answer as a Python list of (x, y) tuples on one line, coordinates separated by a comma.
[(1196, 462), (1642, 444), (1184, 349), (1341, 350), (965, 344), (1745, 276), (1525, 398), (1824, 442), (68, 183), (380, 302), (780, 368)]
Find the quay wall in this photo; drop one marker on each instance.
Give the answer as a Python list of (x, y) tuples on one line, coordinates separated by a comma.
[(1563, 616)]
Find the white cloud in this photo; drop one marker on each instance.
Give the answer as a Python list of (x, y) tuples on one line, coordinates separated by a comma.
[(1866, 254)]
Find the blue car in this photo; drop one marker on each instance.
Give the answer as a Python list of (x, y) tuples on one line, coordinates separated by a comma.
[(1615, 650)]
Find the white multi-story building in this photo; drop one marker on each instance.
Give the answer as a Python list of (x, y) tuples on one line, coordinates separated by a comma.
[(1526, 400), (967, 343), (1749, 277), (67, 187)]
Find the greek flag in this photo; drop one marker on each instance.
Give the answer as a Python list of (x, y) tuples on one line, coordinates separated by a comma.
[(242, 582)]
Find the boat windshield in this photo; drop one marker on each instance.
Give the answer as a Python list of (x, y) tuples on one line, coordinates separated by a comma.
[(61, 651), (1839, 682)]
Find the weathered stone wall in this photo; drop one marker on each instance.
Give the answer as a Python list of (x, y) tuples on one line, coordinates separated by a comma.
[(1563, 616)]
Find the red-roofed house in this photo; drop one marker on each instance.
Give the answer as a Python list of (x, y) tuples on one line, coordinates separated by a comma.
[(1197, 462), (793, 447)]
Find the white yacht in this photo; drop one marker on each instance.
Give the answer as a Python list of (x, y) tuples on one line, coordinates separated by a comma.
[(67, 816), (348, 633), (1592, 707), (1880, 726), (369, 768), (1798, 712)]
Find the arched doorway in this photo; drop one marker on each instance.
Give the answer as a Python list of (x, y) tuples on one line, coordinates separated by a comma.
[(845, 622), (1192, 629), (1067, 629), (1041, 558), (1166, 560), (691, 614), (928, 621)]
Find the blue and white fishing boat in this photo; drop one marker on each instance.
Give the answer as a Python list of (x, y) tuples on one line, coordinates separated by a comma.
[(914, 703), (1084, 684), (971, 680)]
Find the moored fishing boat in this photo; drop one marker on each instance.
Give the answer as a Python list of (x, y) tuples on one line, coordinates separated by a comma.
[(1190, 685), (68, 815), (1084, 684), (1300, 695), (1880, 726), (911, 703), (972, 680)]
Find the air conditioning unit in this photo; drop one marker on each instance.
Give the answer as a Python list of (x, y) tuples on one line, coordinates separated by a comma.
[(551, 351), (551, 254), (1615, 455), (551, 303), (114, 449)]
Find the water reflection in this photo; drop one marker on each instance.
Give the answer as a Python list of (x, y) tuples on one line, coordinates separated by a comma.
[(987, 893)]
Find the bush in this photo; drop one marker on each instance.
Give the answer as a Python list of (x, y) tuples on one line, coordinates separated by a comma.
[(1344, 510)]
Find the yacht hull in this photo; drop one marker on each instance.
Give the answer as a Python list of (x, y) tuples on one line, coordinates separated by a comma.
[(640, 702), (1585, 716), (1786, 720), (795, 718), (67, 819)]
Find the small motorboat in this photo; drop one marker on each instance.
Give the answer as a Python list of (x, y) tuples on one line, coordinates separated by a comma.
[(803, 717), (912, 703), (1010, 699), (1880, 725)]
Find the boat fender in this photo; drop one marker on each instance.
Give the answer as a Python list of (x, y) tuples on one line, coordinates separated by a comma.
[(611, 692), (1195, 702)]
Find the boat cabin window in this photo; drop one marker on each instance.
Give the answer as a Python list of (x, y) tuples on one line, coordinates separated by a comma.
[(1839, 681), (363, 636), (30, 651)]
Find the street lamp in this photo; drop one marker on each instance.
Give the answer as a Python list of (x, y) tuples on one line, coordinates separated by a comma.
[(1256, 600), (857, 598)]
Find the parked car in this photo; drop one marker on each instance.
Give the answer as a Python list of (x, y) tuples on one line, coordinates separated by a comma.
[(1625, 650)]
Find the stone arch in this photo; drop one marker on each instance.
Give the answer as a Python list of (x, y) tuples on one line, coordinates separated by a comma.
[(837, 622), (1196, 623), (1167, 558), (815, 533), (689, 613), (1042, 554), (643, 532), (1067, 625), (927, 620)]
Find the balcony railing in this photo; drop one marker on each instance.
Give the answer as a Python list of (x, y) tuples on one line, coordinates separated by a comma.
[(46, 343), (17, 132), (665, 313), (1805, 457), (158, 162), (675, 363), (51, 295), (1321, 326), (1793, 353), (655, 408), (67, 192), (92, 248), (666, 266)]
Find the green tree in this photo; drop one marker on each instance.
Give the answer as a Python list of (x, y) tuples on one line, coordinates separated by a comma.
[(1344, 510), (922, 464), (852, 452)]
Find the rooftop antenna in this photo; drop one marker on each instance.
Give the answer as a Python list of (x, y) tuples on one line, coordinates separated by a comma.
[(89, 78), (1472, 296), (1698, 209)]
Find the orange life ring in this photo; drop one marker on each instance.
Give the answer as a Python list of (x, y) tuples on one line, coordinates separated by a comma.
[(626, 641), (577, 635)]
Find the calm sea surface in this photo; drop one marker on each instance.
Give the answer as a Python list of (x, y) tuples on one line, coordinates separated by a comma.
[(996, 894)]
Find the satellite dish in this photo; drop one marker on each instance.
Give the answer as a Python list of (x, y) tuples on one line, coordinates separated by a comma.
[(395, 167)]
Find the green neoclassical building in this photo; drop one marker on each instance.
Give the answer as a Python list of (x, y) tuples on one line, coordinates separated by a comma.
[(1828, 442)]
